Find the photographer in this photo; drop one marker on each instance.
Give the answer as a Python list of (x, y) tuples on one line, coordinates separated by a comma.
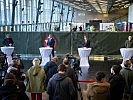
[(75, 64), (70, 73)]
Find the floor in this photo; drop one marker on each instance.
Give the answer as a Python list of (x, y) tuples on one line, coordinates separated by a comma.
[(88, 74)]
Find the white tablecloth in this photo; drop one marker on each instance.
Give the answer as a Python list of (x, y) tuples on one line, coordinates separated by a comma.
[(45, 53), (84, 54), (8, 51), (126, 54)]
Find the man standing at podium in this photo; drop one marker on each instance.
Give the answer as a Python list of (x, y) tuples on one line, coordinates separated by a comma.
[(86, 42), (129, 42), (8, 41), (51, 43)]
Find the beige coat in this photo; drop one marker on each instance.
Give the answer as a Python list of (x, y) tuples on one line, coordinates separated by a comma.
[(36, 80), (98, 91)]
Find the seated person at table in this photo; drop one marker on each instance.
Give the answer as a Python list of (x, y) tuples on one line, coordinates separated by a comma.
[(129, 42), (86, 42), (8, 41)]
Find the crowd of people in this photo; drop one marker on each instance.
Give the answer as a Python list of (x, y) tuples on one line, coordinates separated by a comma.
[(60, 80), (61, 83)]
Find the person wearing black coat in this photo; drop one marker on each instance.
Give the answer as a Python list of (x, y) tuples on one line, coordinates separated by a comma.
[(129, 42), (8, 41), (12, 89), (51, 68), (70, 72), (60, 86), (9, 92), (51, 43), (86, 42), (117, 83)]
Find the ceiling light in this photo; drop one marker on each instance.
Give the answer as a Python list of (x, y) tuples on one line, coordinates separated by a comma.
[(125, 1), (125, 6), (78, 0), (89, 10), (81, 14)]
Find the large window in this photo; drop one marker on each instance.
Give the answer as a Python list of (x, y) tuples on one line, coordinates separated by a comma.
[(26, 16)]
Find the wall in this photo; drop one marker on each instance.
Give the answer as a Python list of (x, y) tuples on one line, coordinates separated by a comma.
[(84, 16), (103, 43)]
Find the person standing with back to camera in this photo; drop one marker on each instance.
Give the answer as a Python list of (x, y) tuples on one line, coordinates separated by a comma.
[(129, 42), (51, 43), (86, 42)]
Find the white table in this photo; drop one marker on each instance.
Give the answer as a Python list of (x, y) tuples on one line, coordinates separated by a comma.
[(84, 54), (45, 53), (126, 54), (8, 51)]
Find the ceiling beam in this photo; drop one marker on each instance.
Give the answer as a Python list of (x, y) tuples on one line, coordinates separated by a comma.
[(99, 5)]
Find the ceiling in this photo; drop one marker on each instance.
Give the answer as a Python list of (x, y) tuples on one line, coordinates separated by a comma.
[(98, 6)]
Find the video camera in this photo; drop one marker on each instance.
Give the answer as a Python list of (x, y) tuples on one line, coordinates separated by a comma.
[(74, 63)]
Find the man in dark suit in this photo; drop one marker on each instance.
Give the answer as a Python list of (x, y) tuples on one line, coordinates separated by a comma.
[(86, 42), (8, 41), (129, 42), (51, 43)]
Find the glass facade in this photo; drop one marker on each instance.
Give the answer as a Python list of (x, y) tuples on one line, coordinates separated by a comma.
[(34, 15)]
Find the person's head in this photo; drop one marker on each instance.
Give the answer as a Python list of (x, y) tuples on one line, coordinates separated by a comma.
[(7, 35), (85, 37), (66, 61), (116, 69), (127, 63), (36, 62), (15, 60), (61, 68), (100, 76), (55, 59), (129, 38), (50, 36), (9, 79)]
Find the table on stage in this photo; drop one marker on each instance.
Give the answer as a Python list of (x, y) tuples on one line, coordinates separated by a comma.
[(8, 51), (84, 54), (126, 54), (45, 54)]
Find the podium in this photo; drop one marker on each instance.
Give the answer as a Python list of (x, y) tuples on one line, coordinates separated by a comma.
[(8, 51), (126, 54), (84, 54), (45, 54)]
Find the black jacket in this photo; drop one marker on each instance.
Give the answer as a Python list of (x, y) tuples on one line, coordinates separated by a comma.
[(13, 92), (86, 44), (9, 92), (60, 87), (50, 69), (117, 84), (71, 74), (51, 42), (8, 41)]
